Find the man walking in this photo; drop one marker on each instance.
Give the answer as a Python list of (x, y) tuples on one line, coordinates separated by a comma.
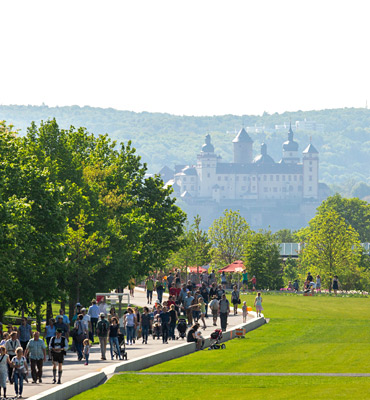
[(94, 317), (102, 332), (36, 351), (224, 311), (24, 333), (149, 286), (188, 309)]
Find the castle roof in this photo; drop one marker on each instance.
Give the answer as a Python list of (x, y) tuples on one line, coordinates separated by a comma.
[(290, 144), (208, 147), (263, 158), (310, 149), (242, 137)]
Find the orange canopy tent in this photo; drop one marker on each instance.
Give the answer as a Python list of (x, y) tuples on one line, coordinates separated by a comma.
[(236, 266)]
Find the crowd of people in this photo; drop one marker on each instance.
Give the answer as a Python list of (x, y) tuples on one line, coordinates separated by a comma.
[(183, 312), (311, 285)]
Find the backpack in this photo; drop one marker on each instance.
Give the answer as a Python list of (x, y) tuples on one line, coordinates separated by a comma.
[(103, 328)]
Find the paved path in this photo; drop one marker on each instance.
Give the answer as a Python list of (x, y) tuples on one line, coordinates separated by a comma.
[(259, 374), (73, 369)]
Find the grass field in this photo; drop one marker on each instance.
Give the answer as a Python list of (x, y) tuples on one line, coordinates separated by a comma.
[(305, 334)]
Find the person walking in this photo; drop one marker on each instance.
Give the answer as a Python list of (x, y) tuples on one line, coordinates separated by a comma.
[(36, 352), (223, 280), (49, 333), (188, 309), (164, 317), (19, 363), (254, 282), (245, 311), (204, 292), (87, 321), (4, 363), (335, 284), (258, 304), (245, 280), (318, 283), (58, 347), (24, 333), (130, 325), (81, 335), (93, 313), (102, 329), (145, 324), (235, 299), (11, 346), (202, 308), (214, 306), (86, 350), (159, 289), (113, 333), (149, 286), (173, 320), (224, 311)]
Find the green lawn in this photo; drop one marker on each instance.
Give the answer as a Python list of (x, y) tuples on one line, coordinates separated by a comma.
[(134, 386), (305, 334)]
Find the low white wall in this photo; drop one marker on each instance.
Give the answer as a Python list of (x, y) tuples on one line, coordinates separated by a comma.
[(89, 381)]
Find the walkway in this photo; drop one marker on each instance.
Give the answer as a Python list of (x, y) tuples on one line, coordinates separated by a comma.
[(73, 369)]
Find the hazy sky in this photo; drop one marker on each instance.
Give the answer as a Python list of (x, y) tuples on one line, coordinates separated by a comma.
[(186, 57)]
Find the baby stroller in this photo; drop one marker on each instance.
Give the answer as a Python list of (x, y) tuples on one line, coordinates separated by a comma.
[(157, 327), (182, 327), (122, 347), (216, 337)]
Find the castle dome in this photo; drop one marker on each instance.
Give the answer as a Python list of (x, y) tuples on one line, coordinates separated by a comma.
[(263, 158), (290, 144), (207, 146)]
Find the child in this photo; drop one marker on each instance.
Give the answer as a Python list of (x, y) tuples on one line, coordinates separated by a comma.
[(258, 304), (20, 366), (86, 350), (245, 311), (4, 361)]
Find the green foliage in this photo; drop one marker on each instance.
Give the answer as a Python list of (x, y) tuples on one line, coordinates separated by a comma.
[(228, 235), (332, 248), (78, 216), (262, 259), (355, 212)]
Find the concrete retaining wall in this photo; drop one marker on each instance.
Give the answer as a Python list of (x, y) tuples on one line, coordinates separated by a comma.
[(89, 381)]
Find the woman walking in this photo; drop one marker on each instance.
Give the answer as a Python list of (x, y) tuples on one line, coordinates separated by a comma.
[(145, 322), (235, 299), (113, 333), (258, 304), (4, 362), (49, 333), (20, 373), (130, 325), (335, 284)]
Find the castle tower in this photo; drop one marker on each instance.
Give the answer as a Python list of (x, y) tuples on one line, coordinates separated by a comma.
[(290, 149), (243, 148), (310, 172), (206, 168)]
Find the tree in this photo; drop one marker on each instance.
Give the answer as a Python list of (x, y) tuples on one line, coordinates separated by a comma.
[(228, 235), (262, 259), (355, 212), (285, 236), (332, 248)]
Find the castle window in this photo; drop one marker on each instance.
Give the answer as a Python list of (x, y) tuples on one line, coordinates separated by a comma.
[(299, 188), (283, 178), (310, 178), (254, 178), (208, 175), (310, 162), (222, 187), (253, 188), (295, 178), (275, 189), (184, 179), (291, 154), (184, 188), (271, 177), (300, 177), (265, 189), (226, 178), (284, 189), (310, 169), (244, 178), (310, 189), (219, 178), (208, 165), (243, 188), (237, 178), (192, 178), (289, 178), (290, 188), (277, 178), (192, 187)]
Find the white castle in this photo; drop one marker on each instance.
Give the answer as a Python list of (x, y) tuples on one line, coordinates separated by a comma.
[(248, 178)]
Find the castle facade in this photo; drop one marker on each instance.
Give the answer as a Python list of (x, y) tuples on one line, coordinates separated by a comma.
[(294, 177)]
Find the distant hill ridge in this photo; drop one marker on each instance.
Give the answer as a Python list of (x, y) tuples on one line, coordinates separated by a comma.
[(165, 139)]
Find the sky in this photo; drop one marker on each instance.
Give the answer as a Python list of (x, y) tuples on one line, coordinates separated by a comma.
[(186, 57)]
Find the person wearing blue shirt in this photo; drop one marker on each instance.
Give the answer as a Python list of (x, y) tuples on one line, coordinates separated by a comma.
[(93, 312), (36, 350)]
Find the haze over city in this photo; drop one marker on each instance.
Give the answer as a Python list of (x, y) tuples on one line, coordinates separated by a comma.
[(193, 58)]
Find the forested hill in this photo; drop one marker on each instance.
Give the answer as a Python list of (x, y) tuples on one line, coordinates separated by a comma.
[(163, 139)]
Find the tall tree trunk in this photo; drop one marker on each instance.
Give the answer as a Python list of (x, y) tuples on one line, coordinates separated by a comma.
[(71, 309), (49, 312), (38, 317)]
